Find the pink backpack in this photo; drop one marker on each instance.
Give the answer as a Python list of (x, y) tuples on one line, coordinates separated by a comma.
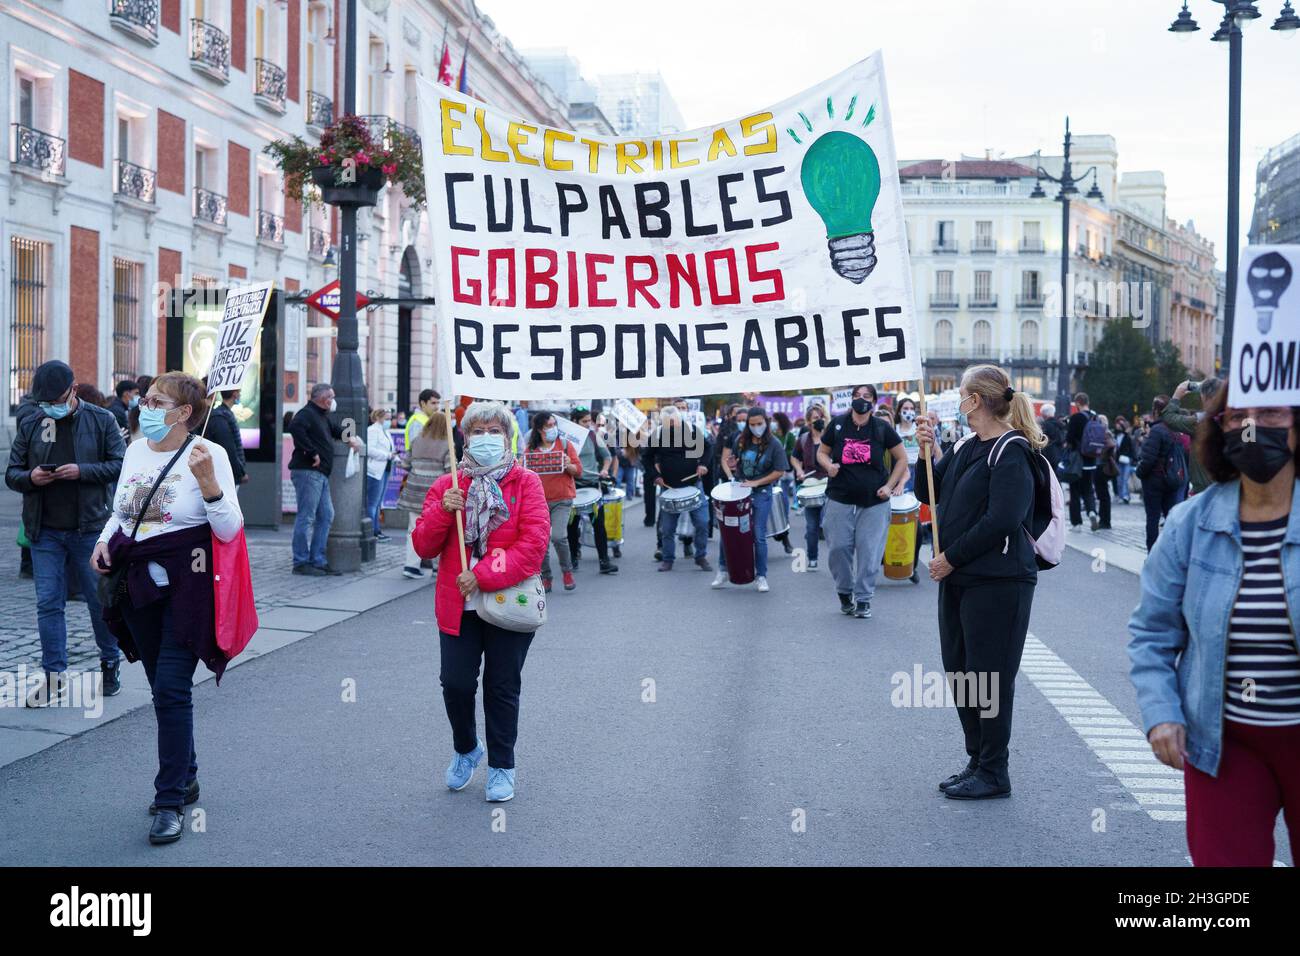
[(1047, 524)]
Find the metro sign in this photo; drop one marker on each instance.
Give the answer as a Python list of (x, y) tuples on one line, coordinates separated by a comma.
[(325, 300)]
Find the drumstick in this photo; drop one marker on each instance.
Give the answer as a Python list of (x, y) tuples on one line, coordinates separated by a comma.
[(929, 483), (455, 483)]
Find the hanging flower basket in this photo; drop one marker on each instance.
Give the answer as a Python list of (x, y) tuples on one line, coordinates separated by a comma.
[(351, 147)]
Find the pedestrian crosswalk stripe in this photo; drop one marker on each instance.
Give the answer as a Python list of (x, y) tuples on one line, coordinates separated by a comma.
[(1111, 736)]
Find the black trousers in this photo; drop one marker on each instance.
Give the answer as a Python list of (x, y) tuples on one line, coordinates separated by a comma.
[(981, 637), (648, 484), (598, 527), (1090, 493), (1157, 500), (503, 653)]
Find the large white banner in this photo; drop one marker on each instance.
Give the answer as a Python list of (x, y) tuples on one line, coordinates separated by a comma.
[(1265, 366), (764, 253)]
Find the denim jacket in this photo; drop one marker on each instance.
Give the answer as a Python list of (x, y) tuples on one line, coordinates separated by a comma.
[(1179, 643)]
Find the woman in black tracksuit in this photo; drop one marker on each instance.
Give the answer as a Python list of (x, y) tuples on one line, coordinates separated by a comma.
[(987, 568)]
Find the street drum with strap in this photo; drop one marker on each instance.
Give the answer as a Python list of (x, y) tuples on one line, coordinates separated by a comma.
[(733, 503), (778, 518), (812, 492), (613, 502), (677, 501), (585, 501), (900, 542)]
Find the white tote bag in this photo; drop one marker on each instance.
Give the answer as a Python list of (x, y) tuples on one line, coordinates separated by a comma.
[(521, 607)]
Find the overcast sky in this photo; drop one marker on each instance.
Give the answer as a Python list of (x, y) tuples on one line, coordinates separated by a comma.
[(965, 75)]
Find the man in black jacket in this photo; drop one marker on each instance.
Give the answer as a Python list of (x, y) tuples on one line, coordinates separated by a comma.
[(223, 428), (1160, 491), (681, 456), (314, 433), (128, 395), (1083, 493), (65, 457)]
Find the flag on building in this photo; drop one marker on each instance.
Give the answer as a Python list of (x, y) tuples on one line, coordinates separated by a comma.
[(462, 84), (444, 65)]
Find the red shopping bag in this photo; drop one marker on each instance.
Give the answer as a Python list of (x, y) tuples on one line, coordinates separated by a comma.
[(232, 595)]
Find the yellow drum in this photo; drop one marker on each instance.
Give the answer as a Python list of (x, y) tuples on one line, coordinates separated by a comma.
[(613, 502), (900, 543)]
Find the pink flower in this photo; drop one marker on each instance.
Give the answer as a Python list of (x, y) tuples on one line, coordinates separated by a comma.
[(324, 158), (390, 169), (362, 158)]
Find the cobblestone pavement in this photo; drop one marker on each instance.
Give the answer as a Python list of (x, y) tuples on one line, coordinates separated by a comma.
[(1128, 525), (274, 584)]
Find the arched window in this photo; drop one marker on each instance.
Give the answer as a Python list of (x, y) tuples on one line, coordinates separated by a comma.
[(982, 338), (943, 336), (1028, 338)]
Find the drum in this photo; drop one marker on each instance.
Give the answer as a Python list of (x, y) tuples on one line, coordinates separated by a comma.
[(733, 503), (812, 493), (676, 501), (613, 502), (778, 519), (900, 542), (585, 501)]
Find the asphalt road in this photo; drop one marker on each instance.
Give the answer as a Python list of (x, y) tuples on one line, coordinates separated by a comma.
[(767, 709)]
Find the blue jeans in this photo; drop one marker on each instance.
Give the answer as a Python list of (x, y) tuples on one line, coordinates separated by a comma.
[(812, 526), (629, 480), (760, 509), (170, 668), (1122, 481), (54, 553), (315, 515), (375, 498), (668, 531)]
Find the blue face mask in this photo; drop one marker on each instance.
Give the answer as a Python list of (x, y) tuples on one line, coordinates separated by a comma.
[(551, 434), (134, 402), (962, 420), (757, 430), (487, 449), (153, 423), (61, 410)]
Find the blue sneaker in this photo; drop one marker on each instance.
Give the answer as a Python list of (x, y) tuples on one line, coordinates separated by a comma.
[(501, 785), (462, 767)]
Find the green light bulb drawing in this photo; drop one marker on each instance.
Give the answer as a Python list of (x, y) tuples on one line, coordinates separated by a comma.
[(841, 180)]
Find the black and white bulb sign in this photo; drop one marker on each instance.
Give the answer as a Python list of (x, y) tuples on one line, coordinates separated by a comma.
[(1266, 328)]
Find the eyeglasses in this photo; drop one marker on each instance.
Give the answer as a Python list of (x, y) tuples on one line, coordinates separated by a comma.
[(155, 402), (1235, 418)]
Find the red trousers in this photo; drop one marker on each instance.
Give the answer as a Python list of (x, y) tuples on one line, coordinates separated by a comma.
[(1231, 817)]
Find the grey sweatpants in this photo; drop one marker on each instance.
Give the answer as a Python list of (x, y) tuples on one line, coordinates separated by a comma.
[(559, 536), (855, 537)]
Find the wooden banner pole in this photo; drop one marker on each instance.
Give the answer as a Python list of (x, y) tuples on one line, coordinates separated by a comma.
[(455, 483), (929, 483)]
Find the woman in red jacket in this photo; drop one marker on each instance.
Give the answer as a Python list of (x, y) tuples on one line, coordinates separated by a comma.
[(507, 528)]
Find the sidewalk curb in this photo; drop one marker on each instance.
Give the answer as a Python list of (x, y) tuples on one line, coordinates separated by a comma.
[(25, 732)]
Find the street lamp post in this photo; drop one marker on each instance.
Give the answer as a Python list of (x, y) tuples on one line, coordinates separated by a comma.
[(349, 544), (1237, 13), (1069, 188)]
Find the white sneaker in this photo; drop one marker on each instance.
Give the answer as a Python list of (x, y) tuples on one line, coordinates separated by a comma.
[(719, 579), (762, 583)]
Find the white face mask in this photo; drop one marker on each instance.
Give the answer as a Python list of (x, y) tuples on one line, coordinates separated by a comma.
[(334, 405)]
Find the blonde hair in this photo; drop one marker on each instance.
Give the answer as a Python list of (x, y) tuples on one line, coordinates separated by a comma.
[(991, 384)]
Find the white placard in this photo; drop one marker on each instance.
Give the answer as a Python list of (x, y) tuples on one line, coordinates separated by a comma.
[(765, 253), (1266, 328), (241, 320), (628, 415), (572, 431), (945, 406), (841, 399)]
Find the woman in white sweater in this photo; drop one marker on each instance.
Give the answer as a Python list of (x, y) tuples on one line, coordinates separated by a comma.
[(379, 459), (176, 493)]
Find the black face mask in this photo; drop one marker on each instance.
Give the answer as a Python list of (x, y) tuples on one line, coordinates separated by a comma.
[(862, 405), (818, 425), (1259, 460)]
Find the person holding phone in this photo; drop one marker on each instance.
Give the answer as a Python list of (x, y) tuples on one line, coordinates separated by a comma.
[(65, 457)]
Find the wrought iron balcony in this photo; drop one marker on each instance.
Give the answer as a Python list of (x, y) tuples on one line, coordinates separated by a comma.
[(320, 110), (210, 50), (945, 245), (270, 227), (318, 242), (382, 127), (984, 244), (943, 300), (271, 85), (139, 18), (209, 207), (39, 151), (1031, 246), (1032, 300), (978, 301), (134, 182)]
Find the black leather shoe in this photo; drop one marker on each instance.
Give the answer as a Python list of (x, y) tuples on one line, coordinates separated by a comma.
[(112, 684), (167, 827), (975, 787), (846, 604), (191, 796), (608, 567), (956, 778)]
